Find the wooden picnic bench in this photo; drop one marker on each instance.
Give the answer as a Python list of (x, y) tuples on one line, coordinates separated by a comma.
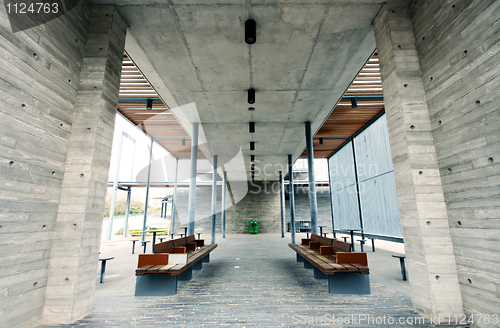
[(347, 272), (157, 274)]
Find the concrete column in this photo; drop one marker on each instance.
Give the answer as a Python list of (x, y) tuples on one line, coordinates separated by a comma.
[(424, 217), (77, 233), (224, 195), (192, 180), (292, 198), (312, 180), (282, 205), (214, 198), (174, 200), (127, 212)]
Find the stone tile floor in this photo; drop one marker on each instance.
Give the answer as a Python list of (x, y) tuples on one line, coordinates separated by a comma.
[(252, 280)]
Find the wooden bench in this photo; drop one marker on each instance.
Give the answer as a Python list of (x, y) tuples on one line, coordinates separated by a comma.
[(347, 272), (157, 274)]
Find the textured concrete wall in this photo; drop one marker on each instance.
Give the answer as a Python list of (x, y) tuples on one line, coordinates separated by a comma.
[(39, 78), (78, 226), (261, 204), (424, 219), (459, 53)]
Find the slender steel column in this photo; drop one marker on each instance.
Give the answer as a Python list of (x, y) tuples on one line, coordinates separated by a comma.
[(312, 181), (115, 188), (127, 212), (147, 192), (192, 180), (214, 198), (358, 195), (224, 191), (292, 198), (282, 205), (174, 200), (330, 187)]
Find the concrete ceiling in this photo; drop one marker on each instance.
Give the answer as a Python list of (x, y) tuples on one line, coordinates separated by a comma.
[(306, 55)]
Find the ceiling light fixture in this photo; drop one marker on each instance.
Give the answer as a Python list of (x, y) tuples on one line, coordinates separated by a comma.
[(252, 145), (320, 141), (251, 127), (251, 96), (354, 102), (250, 31), (149, 104), (183, 142), (252, 158)]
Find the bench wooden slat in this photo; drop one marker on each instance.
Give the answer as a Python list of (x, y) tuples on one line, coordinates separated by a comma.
[(349, 267), (155, 268), (166, 268), (142, 270), (363, 269), (339, 267)]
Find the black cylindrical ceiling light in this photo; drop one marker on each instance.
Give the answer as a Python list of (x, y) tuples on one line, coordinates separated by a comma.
[(149, 104), (320, 141), (354, 102), (250, 31), (252, 158), (251, 127), (252, 145), (251, 96)]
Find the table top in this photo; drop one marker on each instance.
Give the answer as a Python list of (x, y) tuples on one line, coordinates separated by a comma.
[(106, 258)]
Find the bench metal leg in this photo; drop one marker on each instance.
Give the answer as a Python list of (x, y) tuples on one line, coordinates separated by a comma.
[(361, 245), (403, 268), (308, 265), (319, 275), (299, 258), (158, 284), (133, 246), (349, 283), (103, 269), (206, 259), (186, 275), (198, 265)]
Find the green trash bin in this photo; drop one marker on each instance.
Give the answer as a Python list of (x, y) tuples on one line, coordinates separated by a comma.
[(254, 227)]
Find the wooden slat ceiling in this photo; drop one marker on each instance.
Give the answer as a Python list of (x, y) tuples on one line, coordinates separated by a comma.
[(157, 122), (345, 121)]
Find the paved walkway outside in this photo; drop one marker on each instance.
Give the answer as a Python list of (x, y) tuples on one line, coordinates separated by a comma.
[(252, 280)]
